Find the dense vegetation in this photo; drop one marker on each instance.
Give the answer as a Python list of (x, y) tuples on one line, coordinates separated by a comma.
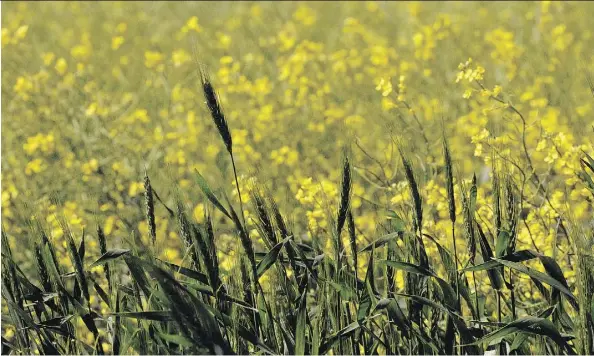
[(349, 188)]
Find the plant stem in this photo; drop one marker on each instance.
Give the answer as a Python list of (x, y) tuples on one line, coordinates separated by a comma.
[(501, 344), (456, 263), (238, 191), (476, 302), (513, 295), (459, 305)]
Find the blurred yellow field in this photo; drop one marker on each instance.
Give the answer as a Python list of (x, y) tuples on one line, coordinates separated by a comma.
[(96, 95)]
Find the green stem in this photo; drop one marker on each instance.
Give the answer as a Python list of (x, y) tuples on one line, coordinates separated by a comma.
[(513, 295), (456, 262), (456, 272), (238, 191), (476, 302)]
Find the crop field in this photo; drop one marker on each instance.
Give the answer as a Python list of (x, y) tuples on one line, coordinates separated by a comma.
[(297, 178)]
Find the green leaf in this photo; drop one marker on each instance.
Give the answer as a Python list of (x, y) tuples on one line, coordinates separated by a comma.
[(270, 257), (346, 291), (448, 292), (333, 339), (397, 223), (156, 315), (592, 311), (188, 311), (520, 339), (408, 267), (301, 326), (519, 342), (445, 255), (241, 330), (367, 294), (465, 334), (518, 256), (380, 241), (502, 243), (487, 253), (200, 277), (395, 314), (541, 277), (176, 339), (554, 270), (304, 259), (109, 256), (529, 324), (210, 195)]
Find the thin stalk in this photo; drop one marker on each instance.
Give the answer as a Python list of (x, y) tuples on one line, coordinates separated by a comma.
[(513, 294), (456, 272), (476, 302), (456, 262), (238, 190), (499, 317)]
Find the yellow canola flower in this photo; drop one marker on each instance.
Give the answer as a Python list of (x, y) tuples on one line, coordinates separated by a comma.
[(116, 42), (180, 57), (121, 27), (153, 59), (21, 32), (61, 66), (5, 37), (199, 212), (192, 24), (35, 166), (135, 188), (305, 15)]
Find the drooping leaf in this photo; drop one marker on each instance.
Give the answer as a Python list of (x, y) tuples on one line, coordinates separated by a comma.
[(109, 256), (408, 267), (156, 315), (487, 253), (521, 337), (380, 241), (210, 195), (448, 292), (271, 257), (341, 334), (528, 324), (544, 278), (201, 277), (395, 314), (554, 271), (518, 256)]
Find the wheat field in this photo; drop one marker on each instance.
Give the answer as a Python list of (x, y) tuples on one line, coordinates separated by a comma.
[(342, 178)]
